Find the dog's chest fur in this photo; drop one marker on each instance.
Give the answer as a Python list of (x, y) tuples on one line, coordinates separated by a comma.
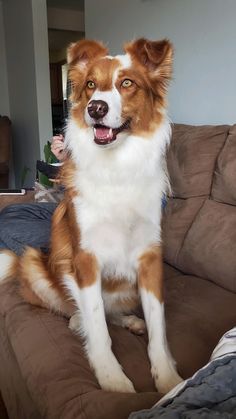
[(118, 208)]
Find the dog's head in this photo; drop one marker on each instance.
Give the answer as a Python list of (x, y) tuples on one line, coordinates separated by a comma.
[(121, 95)]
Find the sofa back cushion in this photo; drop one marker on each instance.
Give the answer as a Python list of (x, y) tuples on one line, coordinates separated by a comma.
[(199, 225)]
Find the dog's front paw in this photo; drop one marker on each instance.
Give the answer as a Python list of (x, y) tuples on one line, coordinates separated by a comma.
[(118, 383), (165, 380), (111, 376)]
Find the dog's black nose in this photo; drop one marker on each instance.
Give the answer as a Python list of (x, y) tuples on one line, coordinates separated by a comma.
[(97, 109)]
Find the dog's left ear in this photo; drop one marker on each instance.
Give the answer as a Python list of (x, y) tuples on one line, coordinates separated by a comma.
[(79, 55), (155, 56), (82, 52)]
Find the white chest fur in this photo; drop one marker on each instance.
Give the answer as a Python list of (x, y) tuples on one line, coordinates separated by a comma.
[(119, 204)]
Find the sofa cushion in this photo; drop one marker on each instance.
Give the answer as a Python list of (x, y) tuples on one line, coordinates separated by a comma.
[(224, 181), (56, 372), (198, 313), (13, 388), (209, 247), (199, 226), (192, 158), (178, 218)]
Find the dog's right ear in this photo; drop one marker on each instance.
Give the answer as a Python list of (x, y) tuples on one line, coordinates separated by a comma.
[(82, 52)]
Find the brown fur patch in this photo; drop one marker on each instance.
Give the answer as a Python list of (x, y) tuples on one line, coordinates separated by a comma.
[(67, 176), (116, 285), (127, 304), (122, 303), (29, 296), (84, 51), (61, 254), (138, 102), (150, 271), (86, 269), (32, 261), (102, 72), (65, 233), (33, 265), (82, 56), (151, 71), (156, 58)]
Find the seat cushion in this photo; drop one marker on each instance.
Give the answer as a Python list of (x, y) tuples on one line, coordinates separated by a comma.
[(198, 312), (58, 376)]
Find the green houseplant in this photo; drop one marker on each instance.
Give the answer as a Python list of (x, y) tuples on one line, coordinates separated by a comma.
[(50, 159)]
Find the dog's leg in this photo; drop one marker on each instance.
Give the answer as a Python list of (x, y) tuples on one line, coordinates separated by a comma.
[(129, 321), (91, 323), (150, 287)]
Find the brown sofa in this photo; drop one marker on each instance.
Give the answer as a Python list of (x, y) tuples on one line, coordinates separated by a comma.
[(5, 150), (43, 371)]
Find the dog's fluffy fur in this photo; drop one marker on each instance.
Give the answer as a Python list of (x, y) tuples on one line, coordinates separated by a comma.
[(105, 254)]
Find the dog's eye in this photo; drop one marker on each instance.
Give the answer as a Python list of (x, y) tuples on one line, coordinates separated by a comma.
[(126, 83), (91, 84)]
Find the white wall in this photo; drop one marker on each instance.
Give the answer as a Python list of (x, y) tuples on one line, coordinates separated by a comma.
[(4, 98), (42, 75), (28, 81), (204, 36)]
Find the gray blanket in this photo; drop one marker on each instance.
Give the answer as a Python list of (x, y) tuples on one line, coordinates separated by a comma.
[(209, 394), (26, 225)]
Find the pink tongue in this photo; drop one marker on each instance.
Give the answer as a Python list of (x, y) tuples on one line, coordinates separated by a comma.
[(102, 133)]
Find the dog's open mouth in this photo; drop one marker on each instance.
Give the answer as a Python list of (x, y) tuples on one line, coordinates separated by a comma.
[(105, 135)]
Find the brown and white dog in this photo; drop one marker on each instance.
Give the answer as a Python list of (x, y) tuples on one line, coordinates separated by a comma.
[(105, 254)]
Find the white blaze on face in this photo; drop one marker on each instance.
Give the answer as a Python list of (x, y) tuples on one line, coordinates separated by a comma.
[(125, 60), (113, 118)]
